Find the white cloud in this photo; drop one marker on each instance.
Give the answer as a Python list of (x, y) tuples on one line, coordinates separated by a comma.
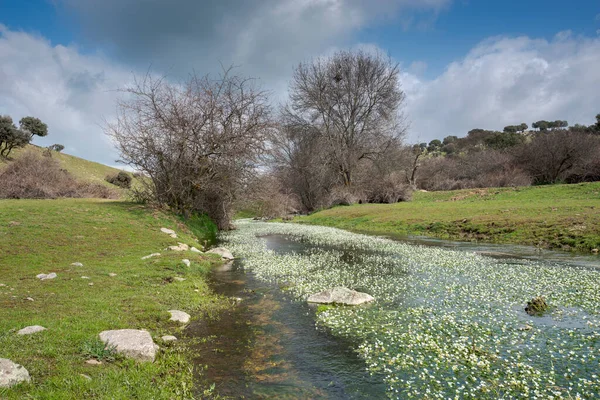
[(506, 81), (69, 91)]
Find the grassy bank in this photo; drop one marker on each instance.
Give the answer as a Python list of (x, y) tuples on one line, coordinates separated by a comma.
[(42, 236), (560, 216)]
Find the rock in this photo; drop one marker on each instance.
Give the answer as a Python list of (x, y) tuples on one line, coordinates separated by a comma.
[(526, 328), (178, 279), (112, 274), (86, 377), (2, 285), (132, 343), (223, 252), (44, 277), (93, 362), (12, 374), (85, 277), (77, 264), (595, 251), (167, 231), (536, 306), (168, 338), (28, 330), (29, 298), (173, 235), (340, 295), (186, 262), (228, 266), (195, 250), (180, 247), (150, 256), (179, 316), (91, 284)]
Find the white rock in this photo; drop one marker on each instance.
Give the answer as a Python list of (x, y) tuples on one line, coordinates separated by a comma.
[(112, 274), (44, 277), (91, 284), (29, 298), (167, 231), (132, 343), (85, 277), (179, 279), (222, 251), (186, 262), (168, 338), (86, 377), (180, 247), (91, 361), (77, 264), (195, 250), (340, 295), (2, 285), (12, 374), (173, 235), (28, 330), (179, 316), (150, 256)]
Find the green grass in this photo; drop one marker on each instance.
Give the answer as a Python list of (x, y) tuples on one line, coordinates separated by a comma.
[(42, 236), (559, 216)]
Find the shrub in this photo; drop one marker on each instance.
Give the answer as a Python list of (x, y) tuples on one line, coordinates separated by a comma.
[(32, 176), (122, 179)]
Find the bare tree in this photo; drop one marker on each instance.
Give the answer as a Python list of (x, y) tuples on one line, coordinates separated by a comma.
[(196, 141), (353, 100)]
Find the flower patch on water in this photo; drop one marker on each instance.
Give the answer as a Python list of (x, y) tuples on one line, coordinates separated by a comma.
[(445, 324)]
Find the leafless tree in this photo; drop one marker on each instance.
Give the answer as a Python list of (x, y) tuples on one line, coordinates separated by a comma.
[(353, 100), (196, 141)]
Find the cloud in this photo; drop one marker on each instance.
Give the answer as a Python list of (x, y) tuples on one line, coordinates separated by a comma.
[(69, 91), (507, 81)]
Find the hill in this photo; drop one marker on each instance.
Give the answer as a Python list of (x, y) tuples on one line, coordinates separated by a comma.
[(556, 216), (83, 170)]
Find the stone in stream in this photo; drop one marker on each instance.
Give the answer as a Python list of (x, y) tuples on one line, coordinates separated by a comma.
[(11, 373), (179, 316), (340, 295), (221, 251), (150, 256), (180, 247), (28, 330), (44, 277), (536, 306), (132, 343), (228, 266)]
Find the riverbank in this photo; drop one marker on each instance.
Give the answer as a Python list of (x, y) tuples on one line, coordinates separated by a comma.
[(565, 217), (113, 288)]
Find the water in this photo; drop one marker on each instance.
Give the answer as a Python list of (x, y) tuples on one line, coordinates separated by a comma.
[(267, 346)]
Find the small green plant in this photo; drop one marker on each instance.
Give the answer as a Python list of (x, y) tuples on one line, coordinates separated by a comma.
[(95, 348)]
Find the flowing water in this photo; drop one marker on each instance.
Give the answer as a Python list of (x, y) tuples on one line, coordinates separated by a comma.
[(270, 345)]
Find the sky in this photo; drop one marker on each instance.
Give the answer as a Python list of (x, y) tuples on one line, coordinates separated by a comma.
[(464, 63)]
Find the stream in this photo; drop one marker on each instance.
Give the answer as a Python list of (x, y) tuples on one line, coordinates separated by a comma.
[(271, 345)]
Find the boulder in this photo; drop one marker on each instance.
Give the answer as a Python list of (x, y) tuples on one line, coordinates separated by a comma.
[(180, 247), (28, 330), (168, 338), (12, 374), (132, 343), (44, 277), (223, 252), (179, 316), (340, 295), (186, 262), (150, 256)]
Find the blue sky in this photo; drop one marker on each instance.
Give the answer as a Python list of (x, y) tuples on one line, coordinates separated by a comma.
[(466, 63)]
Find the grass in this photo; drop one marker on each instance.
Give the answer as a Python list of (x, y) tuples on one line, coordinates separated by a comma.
[(563, 217), (42, 236)]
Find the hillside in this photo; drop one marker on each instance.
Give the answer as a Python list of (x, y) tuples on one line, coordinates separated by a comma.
[(83, 170), (558, 216), (114, 288)]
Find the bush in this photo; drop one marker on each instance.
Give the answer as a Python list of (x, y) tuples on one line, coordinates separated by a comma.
[(122, 180), (32, 176)]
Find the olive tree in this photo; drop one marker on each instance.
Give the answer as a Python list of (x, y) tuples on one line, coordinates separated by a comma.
[(196, 141), (11, 137)]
